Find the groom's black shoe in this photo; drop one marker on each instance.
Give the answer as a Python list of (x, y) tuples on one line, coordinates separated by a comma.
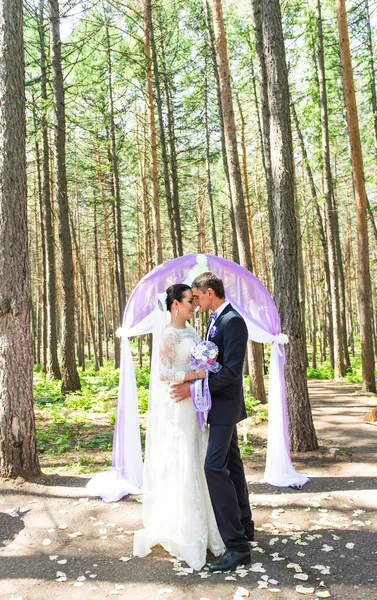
[(230, 561)]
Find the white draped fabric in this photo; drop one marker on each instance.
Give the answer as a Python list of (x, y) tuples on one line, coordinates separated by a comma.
[(143, 315)]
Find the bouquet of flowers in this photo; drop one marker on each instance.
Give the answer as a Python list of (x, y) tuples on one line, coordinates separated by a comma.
[(203, 356)]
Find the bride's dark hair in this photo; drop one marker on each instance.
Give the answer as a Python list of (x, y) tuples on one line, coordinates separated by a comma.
[(175, 292)]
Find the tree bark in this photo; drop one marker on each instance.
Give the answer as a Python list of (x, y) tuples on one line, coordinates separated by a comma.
[(172, 146), (18, 447), (53, 369), (364, 285), (238, 201), (208, 166), (232, 222), (164, 154), (331, 220), (116, 184), (301, 429), (70, 378), (265, 138), (153, 143)]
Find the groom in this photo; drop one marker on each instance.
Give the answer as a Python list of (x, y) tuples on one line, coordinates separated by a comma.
[(223, 465)]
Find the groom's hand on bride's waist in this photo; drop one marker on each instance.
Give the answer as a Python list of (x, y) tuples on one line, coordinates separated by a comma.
[(180, 391)]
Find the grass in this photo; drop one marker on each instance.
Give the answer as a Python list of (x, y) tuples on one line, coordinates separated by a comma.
[(325, 371)]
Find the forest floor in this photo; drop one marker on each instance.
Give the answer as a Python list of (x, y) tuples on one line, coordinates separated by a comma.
[(317, 542)]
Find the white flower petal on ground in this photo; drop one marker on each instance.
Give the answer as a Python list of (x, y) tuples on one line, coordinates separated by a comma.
[(294, 566), (230, 578), (63, 526), (304, 590), (242, 592), (324, 594), (350, 546), (125, 558), (46, 542), (257, 568), (74, 535), (327, 548), (119, 586), (62, 562), (53, 556), (301, 576), (81, 578)]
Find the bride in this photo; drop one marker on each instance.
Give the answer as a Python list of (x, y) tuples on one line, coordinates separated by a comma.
[(177, 511)]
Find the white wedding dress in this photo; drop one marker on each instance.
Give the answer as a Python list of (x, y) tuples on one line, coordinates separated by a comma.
[(177, 510)]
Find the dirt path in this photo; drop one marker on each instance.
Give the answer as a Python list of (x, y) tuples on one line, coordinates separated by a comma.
[(326, 533)]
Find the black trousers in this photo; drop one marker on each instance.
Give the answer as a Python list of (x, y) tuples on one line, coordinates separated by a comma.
[(227, 487)]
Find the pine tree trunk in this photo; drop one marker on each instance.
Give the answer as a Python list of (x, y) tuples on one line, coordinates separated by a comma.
[(232, 222), (86, 296), (246, 184), (331, 220), (18, 448), (318, 215), (208, 167), (153, 143), (301, 429), (115, 176), (99, 314), (53, 369), (255, 350), (364, 285), (172, 151), (110, 261), (164, 155), (265, 138), (70, 378)]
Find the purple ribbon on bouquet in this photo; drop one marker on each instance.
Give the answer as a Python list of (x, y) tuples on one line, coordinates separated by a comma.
[(203, 356), (201, 399)]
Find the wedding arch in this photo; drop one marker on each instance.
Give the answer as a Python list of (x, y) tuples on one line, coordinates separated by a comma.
[(249, 296)]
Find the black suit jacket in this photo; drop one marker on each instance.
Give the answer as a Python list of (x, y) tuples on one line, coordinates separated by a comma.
[(226, 386)]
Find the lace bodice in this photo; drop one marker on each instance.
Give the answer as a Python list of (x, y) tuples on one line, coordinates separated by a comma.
[(175, 352)]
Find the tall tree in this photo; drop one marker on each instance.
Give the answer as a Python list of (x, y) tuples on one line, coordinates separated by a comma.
[(331, 217), (52, 342), (215, 69), (156, 219), (235, 177), (18, 448), (70, 378), (301, 428), (364, 286)]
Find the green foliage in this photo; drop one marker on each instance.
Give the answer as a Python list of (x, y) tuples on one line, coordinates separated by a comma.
[(254, 408), (323, 371)]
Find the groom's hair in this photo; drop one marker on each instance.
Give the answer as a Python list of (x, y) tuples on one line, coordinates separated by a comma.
[(209, 280)]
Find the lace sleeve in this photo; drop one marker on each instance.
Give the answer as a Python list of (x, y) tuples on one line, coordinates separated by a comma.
[(169, 346)]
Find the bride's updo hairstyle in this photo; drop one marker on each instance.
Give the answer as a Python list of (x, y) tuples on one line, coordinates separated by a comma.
[(175, 292)]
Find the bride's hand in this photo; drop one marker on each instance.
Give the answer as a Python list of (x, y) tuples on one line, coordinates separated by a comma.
[(201, 373)]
